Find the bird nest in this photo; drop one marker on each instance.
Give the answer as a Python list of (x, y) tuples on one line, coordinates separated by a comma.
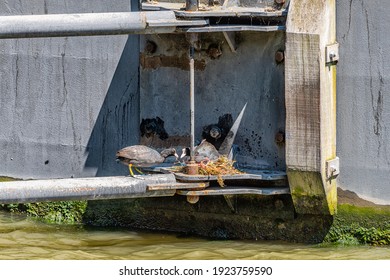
[(221, 166)]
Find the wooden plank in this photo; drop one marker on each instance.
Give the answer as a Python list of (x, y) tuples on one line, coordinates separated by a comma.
[(310, 105), (303, 88)]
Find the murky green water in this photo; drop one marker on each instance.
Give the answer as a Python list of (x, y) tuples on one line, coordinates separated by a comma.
[(25, 238)]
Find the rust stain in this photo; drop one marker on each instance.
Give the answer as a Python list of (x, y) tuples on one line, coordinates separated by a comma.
[(181, 62), (192, 199)]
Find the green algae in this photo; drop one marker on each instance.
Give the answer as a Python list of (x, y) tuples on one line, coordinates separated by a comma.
[(58, 212), (310, 195), (360, 225), (6, 179)]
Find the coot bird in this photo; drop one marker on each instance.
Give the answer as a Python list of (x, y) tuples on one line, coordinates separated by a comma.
[(204, 151), (216, 133), (185, 156), (142, 156), (152, 127)]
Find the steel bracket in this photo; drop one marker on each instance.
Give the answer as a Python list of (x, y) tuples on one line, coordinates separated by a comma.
[(230, 39), (332, 53), (332, 168)]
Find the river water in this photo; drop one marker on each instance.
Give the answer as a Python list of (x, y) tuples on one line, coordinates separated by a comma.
[(26, 238)]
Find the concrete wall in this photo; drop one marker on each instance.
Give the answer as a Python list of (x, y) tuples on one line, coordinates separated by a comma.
[(67, 104), (363, 88), (222, 86)]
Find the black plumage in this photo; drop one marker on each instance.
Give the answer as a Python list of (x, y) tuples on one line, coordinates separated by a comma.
[(216, 133), (152, 127)]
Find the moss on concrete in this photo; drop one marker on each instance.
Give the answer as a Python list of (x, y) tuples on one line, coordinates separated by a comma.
[(309, 195), (6, 179), (61, 212), (360, 222)]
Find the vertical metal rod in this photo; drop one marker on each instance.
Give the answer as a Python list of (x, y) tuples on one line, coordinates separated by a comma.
[(192, 5), (192, 102)]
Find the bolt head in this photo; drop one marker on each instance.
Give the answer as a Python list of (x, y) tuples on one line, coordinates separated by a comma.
[(192, 199), (279, 56), (150, 47), (214, 52), (279, 138)]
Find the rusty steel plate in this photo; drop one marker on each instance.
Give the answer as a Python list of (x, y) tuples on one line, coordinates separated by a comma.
[(236, 12), (176, 186), (235, 190), (259, 176), (214, 11)]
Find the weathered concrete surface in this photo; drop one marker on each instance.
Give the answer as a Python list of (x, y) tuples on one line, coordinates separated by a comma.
[(363, 118), (67, 104), (254, 218), (223, 85)]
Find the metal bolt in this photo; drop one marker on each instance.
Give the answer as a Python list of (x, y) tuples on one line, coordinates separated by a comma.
[(192, 168), (214, 52), (279, 56), (192, 199), (332, 55), (279, 137), (150, 47)]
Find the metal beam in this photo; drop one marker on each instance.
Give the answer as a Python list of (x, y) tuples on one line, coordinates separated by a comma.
[(95, 188), (88, 24)]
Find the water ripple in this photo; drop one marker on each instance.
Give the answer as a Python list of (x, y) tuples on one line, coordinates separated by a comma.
[(25, 238)]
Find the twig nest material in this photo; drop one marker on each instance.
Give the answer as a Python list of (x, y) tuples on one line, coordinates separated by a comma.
[(221, 166)]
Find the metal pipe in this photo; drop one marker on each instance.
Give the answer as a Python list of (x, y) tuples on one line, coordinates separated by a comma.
[(29, 26), (192, 5), (192, 167), (95, 188), (192, 103), (60, 25), (193, 37)]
